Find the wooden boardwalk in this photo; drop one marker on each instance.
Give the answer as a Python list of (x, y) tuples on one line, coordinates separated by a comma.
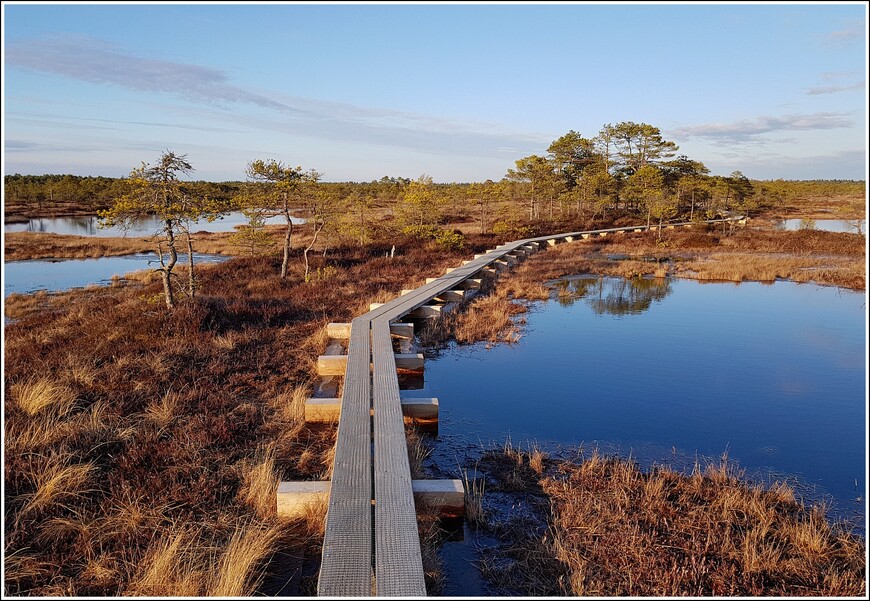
[(371, 544)]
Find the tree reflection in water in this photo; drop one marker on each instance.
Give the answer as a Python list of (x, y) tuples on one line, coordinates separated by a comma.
[(612, 295)]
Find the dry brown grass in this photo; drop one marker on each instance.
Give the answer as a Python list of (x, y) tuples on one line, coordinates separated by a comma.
[(260, 482), (624, 532), (418, 451), (55, 479), (489, 318), (186, 561), (162, 411), (615, 530), (36, 395), (31, 245), (475, 490), (826, 258), (236, 570)]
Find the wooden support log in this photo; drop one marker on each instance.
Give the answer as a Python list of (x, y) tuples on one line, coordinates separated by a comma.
[(585, 236), (552, 242), (450, 269), (409, 361), (331, 365), (687, 225), (402, 330), (426, 312), (336, 365), (569, 238), (322, 410), (448, 296), (373, 306), (420, 408), (471, 284), (602, 234), (404, 292), (501, 265), (638, 230), (448, 496), (299, 499), (341, 331), (328, 410), (430, 280), (467, 261)]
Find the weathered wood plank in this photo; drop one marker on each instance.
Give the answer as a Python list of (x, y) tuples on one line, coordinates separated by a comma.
[(346, 565), (426, 311), (398, 560)]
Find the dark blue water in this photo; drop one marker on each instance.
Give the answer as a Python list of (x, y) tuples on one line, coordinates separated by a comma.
[(666, 371), (147, 226), (53, 275), (773, 374)]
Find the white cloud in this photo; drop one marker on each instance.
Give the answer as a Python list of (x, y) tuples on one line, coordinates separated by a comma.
[(749, 129)]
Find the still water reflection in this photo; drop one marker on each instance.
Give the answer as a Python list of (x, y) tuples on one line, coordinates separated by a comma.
[(88, 225), (667, 370), (613, 296), (852, 226), (774, 374)]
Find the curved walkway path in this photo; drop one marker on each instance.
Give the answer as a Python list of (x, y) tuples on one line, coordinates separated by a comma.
[(371, 543)]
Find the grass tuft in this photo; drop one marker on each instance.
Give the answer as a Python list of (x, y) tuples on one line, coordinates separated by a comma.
[(36, 395)]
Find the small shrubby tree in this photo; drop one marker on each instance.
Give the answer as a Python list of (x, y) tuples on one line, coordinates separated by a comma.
[(252, 236), (282, 189), (156, 190)]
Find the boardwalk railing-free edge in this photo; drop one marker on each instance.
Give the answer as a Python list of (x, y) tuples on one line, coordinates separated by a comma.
[(371, 544)]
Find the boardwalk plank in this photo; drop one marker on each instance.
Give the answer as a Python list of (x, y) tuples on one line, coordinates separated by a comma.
[(346, 566), (398, 561)]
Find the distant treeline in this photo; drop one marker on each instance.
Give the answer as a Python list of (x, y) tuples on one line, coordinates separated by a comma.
[(625, 169), (98, 193), (88, 192)]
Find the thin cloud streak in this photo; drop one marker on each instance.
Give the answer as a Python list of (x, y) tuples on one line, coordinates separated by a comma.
[(749, 129), (834, 89), (847, 164), (90, 60), (844, 35)]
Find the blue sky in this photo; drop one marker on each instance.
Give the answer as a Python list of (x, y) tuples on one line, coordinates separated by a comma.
[(455, 91)]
